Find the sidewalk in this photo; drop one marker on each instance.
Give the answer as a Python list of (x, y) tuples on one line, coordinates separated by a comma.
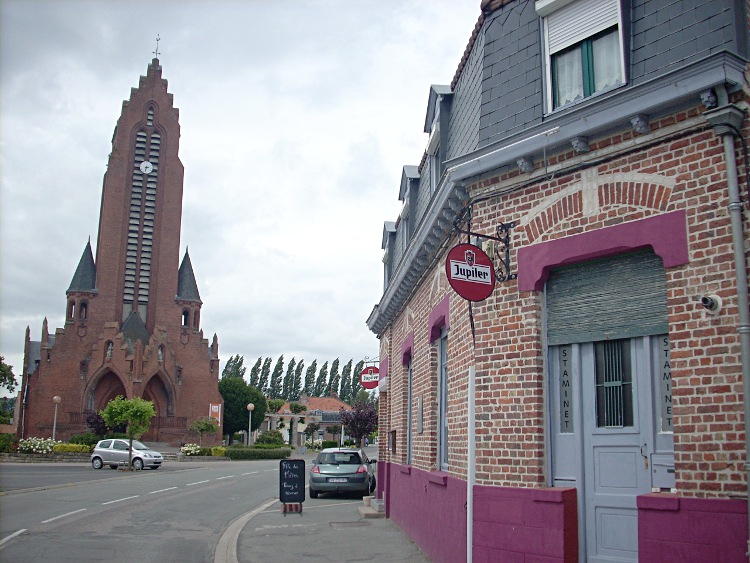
[(330, 528)]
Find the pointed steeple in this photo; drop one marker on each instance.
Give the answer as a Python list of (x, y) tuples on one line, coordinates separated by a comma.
[(187, 288), (85, 277)]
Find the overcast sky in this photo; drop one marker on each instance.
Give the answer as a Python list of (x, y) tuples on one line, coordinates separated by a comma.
[(296, 119)]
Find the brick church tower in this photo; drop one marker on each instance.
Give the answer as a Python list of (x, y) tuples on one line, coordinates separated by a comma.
[(132, 322)]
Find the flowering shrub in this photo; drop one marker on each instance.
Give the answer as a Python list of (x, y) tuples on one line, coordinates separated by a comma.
[(314, 444), (36, 445), (191, 449)]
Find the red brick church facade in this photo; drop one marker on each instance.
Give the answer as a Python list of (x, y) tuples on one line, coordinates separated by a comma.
[(132, 321)]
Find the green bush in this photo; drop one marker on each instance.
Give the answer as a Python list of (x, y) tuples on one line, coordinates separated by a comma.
[(8, 443), (273, 446), (89, 439), (218, 451), (240, 454), (329, 444), (270, 437), (79, 448)]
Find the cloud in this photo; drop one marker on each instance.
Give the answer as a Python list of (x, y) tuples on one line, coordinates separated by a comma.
[(296, 119)]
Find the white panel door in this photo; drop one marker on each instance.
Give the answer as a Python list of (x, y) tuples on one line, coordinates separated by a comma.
[(617, 442)]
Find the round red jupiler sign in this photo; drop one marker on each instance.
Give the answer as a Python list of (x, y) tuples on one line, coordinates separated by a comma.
[(470, 272), (369, 377)]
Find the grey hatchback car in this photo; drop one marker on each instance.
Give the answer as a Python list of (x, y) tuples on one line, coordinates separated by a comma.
[(342, 470), (114, 451)]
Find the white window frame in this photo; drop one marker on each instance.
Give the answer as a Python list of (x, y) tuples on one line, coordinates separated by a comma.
[(569, 22), (442, 391), (409, 414)]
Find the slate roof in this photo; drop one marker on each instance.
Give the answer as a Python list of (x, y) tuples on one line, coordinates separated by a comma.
[(134, 329), (187, 288), (85, 277)]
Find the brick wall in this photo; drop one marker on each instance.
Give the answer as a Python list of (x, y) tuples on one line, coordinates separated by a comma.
[(679, 165)]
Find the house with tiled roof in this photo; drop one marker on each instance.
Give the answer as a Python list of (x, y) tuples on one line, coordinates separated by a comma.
[(325, 411)]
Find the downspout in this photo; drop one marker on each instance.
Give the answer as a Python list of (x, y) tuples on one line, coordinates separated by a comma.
[(727, 121)]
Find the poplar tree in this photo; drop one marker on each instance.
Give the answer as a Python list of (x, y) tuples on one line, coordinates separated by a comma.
[(333, 381), (321, 382), (288, 379), (345, 392), (265, 372), (255, 373), (356, 385), (274, 390), (295, 390), (234, 367), (310, 378)]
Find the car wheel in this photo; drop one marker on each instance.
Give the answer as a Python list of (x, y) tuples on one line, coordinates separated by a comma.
[(97, 463), (137, 464), (372, 484), (313, 493)]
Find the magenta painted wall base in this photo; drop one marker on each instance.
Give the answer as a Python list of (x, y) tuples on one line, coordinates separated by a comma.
[(518, 524), (690, 530), (510, 524), (523, 525)]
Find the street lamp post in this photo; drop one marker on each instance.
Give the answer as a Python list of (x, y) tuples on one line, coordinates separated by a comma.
[(56, 399), (250, 408)]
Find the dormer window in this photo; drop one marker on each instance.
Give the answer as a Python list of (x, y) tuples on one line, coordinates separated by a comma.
[(584, 46), (404, 224)]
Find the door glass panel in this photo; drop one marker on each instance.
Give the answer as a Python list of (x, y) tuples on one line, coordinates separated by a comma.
[(614, 384)]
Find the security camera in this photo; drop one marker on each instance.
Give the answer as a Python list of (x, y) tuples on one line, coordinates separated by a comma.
[(712, 303)]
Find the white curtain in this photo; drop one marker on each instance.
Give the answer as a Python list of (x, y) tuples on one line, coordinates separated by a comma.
[(568, 76), (607, 72)]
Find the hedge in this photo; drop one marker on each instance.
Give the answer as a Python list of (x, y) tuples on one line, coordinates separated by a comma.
[(239, 454), (77, 448)]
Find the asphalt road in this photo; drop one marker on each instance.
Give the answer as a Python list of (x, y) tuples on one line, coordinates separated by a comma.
[(71, 512)]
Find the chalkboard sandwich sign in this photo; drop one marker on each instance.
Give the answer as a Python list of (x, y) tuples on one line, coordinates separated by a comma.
[(292, 484)]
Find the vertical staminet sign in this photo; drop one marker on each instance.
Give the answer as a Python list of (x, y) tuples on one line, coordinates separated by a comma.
[(470, 272), (566, 391), (666, 386)]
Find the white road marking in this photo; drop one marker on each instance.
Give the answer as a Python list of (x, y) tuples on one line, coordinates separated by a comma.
[(162, 490), (250, 473), (196, 483), (63, 515), (119, 500), (227, 477), (13, 535)]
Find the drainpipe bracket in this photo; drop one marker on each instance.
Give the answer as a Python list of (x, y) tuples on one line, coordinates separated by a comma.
[(726, 120)]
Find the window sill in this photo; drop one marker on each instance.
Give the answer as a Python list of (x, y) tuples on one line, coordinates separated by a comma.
[(438, 477)]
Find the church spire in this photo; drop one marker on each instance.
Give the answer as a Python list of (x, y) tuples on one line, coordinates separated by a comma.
[(187, 288), (84, 278)]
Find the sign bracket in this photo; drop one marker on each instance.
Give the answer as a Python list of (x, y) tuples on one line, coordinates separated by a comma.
[(496, 247)]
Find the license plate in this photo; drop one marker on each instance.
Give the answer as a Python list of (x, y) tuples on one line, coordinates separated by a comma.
[(338, 480)]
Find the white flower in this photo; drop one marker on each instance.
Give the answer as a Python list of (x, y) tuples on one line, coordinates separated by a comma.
[(37, 445), (190, 449)]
